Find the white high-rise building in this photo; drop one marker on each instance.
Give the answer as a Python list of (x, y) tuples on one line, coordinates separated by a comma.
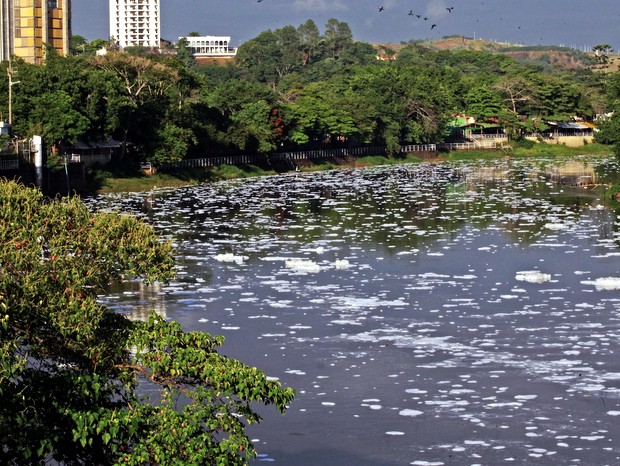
[(135, 23)]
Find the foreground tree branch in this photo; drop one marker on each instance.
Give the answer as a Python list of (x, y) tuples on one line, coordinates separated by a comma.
[(70, 368)]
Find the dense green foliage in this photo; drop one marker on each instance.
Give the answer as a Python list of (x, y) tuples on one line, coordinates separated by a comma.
[(290, 88), (72, 370)]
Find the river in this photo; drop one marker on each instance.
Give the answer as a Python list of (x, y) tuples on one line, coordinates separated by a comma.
[(457, 314)]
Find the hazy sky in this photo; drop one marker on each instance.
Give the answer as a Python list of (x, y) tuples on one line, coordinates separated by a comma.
[(572, 23)]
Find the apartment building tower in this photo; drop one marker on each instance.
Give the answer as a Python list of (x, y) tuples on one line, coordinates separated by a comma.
[(27, 26), (135, 23)]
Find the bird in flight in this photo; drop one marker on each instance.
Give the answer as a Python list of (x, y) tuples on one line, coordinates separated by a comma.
[(381, 8), (450, 8), (433, 26), (410, 12)]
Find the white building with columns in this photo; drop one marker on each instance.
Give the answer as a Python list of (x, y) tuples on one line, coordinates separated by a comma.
[(210, 46), (135, 23)]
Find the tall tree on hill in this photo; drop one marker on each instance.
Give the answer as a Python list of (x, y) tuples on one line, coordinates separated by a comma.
[(309, 40), (338, 38)]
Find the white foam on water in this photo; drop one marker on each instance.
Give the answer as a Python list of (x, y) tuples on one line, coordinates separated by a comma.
[(556, 226), (605, 283), (347, 302), (533, 276), (477, 442), (302, 265), (230, 257), (342, 264)]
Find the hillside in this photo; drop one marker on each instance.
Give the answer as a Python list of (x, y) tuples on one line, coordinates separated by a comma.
[(545, 56)]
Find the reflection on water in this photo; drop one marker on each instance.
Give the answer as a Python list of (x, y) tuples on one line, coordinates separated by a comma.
[(136, 299), (428, 315)]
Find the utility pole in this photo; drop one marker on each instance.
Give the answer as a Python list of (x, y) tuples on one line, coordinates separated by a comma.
[(9, 72)]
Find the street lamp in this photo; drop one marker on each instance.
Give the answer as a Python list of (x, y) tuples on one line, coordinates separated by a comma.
[(9, 72)]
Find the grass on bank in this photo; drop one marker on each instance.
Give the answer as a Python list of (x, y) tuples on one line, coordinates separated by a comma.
[(527, 150), (188, 177), (177, 178)]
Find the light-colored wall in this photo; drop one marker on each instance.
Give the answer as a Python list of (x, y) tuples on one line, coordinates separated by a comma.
[(569, 141)]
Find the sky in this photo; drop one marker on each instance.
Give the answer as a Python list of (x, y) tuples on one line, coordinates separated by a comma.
[(580, 24)]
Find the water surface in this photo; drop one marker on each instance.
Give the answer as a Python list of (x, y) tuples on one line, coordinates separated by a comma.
[(426, 314)]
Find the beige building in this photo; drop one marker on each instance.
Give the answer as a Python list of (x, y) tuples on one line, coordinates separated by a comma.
[(26, 26)]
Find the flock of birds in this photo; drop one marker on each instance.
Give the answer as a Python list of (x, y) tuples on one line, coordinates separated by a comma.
[(411, 13), (425, 18)]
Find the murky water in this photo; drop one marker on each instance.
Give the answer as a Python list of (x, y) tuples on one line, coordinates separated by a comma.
[(427, 315)]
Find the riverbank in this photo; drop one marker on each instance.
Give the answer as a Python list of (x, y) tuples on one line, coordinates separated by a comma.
[(191, 177)]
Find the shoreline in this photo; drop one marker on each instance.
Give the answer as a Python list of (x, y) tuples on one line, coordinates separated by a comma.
[(191, 177)]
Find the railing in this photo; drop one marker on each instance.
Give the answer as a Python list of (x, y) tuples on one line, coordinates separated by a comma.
[(7, 165), (489, 136), (318, 154), (419, 148), (467, 145)]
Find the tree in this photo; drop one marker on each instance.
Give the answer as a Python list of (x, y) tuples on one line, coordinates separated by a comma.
[(601, 53), (483, 103), (338, 38), (171, 144), (184, 53), (609, 133), (251, 128), (57, 120), (289, 56), (258, 57), (309, 40), (148, 91), (317, 118), (79, 44), (71, 370), (517, 93)]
